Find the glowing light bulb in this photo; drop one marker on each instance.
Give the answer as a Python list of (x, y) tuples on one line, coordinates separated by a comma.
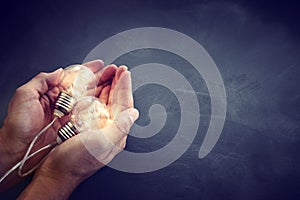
[(88, 114), (78, 81)]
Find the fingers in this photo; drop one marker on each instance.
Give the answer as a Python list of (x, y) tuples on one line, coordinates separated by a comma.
[(105, 77), (121, 125), (119, 71), (122, 98), (95, 65), (102, 74), (123, 90), (107, 74), (43, 82), (103, 97)]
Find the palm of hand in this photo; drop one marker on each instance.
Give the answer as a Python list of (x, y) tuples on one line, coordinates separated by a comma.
[(31, 108), (102, 145), (28, 113)]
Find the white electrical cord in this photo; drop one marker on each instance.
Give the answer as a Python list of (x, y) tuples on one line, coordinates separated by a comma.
[(25, 158), (31, 155)]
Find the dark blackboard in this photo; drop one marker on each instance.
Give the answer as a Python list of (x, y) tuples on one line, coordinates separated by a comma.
[(256, 48)]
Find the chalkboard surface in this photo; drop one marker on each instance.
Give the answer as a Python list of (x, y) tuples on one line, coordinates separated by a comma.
[(256, 48)]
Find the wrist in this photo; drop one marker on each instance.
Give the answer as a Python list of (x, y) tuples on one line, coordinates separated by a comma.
[(50, 186), (10, 151)]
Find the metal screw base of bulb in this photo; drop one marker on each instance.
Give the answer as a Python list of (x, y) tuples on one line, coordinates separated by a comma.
[(67, 131), (63, 104)]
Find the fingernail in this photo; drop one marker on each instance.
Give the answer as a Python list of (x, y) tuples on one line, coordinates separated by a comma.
[(99, 60), (133, 114), (58, 70)]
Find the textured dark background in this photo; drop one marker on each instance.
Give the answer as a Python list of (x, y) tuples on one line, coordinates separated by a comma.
[(256, 47)]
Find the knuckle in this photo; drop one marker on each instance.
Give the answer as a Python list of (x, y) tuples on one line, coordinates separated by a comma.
[(20, 90), (23, 90), (41, 75)]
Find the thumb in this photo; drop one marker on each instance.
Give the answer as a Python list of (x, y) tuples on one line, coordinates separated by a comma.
[(121, 125), (104, 144), (125, 119), (44, 81)]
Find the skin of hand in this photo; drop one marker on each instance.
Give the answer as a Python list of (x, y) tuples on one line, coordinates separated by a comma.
[(31, 109), (82, 155)]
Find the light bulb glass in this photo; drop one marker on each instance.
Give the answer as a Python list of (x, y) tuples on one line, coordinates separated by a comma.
[(88, 114), (78, 81)]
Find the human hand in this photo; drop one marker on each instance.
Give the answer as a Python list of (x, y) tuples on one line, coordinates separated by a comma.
[(82, 155), (29, 111)]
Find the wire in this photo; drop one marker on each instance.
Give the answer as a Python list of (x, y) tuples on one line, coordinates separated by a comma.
[(25, 158), (31, 155)]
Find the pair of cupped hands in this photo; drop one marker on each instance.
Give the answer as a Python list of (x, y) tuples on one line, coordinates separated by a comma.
[(31, 109)]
